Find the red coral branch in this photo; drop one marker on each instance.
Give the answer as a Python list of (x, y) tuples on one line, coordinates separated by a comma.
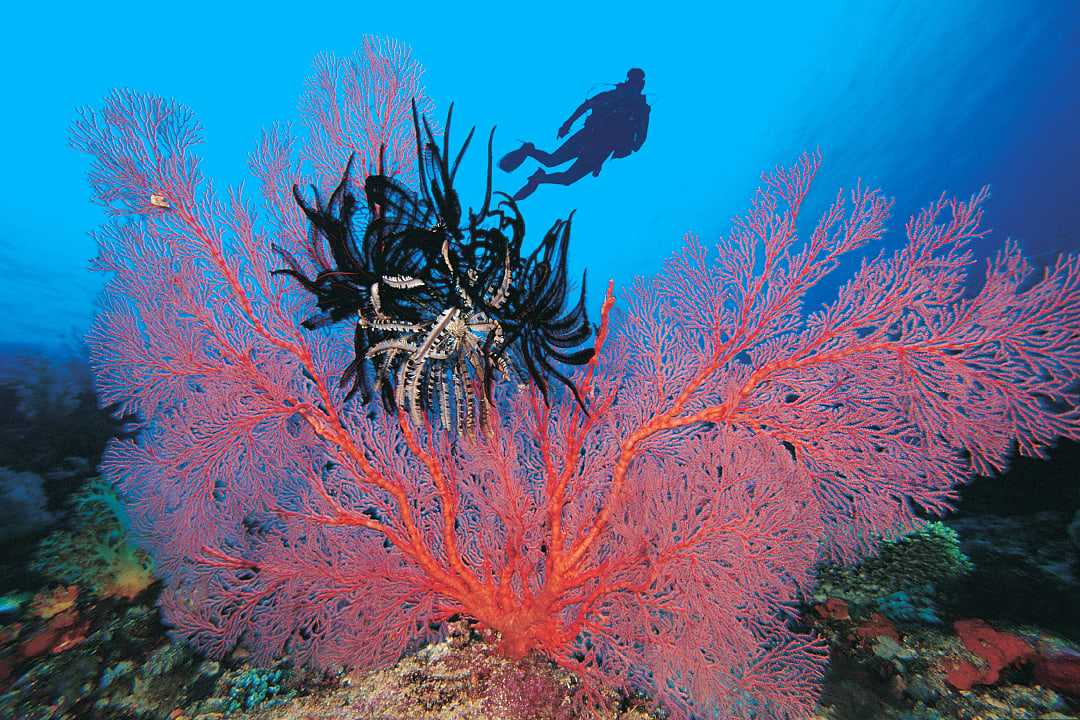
[(656, 542)]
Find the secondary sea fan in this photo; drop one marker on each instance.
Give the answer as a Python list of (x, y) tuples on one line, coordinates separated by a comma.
[(655, 542)]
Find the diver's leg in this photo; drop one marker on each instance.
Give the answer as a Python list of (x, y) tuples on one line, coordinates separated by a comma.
[(564, 153), (569, 150), (530, 186), (572, 174)]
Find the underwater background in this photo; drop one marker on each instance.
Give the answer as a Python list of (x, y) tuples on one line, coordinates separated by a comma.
[(917, 98)]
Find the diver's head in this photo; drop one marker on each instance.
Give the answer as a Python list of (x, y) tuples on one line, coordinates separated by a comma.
[(635, 79)]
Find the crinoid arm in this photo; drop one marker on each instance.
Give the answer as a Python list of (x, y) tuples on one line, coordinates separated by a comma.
[(544, 332), (444, 307), (341, 281)]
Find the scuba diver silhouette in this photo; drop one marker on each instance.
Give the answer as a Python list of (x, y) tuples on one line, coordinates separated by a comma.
[(616, 126)]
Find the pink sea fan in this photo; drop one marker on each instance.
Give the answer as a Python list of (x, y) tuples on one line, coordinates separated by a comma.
[(655, 543), (360, 105)]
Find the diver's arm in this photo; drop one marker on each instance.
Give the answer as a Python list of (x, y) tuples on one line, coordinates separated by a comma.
[(581, 110)]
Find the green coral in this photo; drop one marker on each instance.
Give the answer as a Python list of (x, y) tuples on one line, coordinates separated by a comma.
[(909, 568), (12, 603), (257, 688), (96, 554), (902, 607)]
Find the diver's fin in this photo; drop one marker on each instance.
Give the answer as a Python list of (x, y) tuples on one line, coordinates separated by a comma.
[(512, 160)]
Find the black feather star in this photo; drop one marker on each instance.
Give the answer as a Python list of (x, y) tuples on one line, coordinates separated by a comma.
[(444, 306)]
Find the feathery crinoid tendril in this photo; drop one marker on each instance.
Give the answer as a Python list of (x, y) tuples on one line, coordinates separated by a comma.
[(444, 301)]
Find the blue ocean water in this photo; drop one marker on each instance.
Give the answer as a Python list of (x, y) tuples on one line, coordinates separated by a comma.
[(916, 97)]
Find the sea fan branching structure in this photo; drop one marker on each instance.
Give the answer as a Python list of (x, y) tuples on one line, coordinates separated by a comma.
[(653, 537)]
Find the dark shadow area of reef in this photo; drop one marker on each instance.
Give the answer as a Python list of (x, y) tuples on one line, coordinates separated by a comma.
[(1022, 532), (52, 436)]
